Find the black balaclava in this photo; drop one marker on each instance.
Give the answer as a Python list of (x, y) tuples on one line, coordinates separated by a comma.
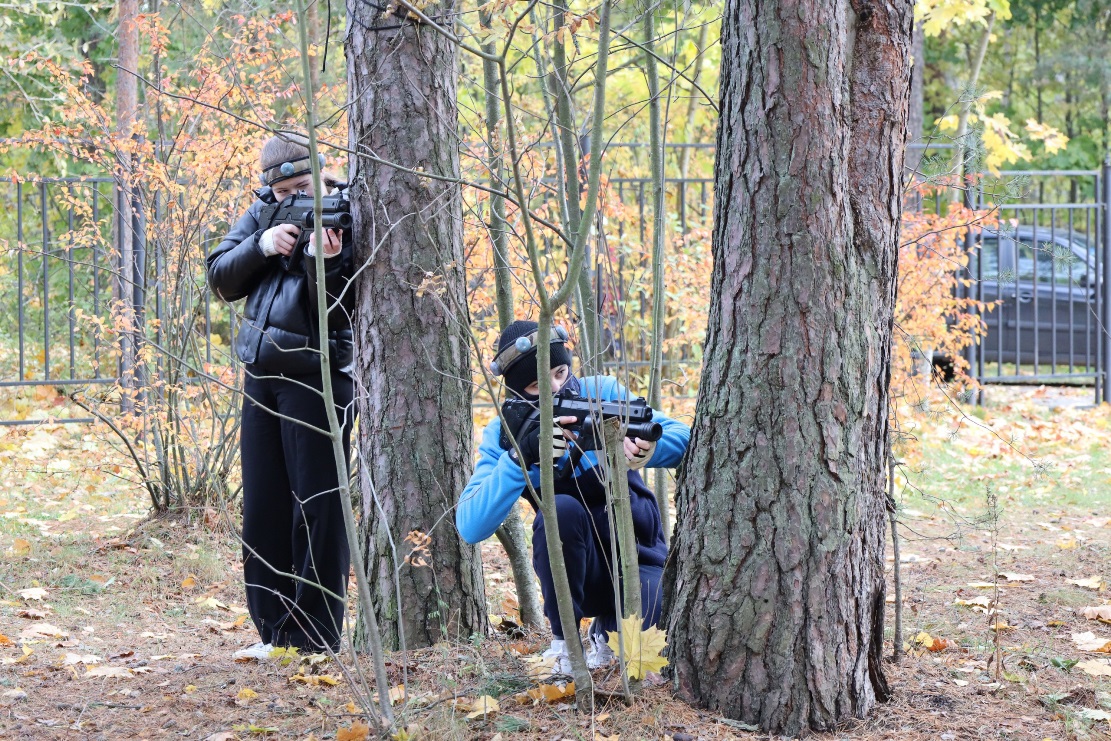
[(523, 370)]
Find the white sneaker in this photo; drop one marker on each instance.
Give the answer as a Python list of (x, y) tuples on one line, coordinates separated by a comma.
[(562, 658), (258, 650), (599, 653)]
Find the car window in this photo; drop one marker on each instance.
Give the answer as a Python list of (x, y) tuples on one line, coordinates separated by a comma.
[(1053, 263), (989, 254)]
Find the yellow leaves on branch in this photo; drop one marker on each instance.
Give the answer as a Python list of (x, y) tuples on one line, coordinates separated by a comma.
[(1002, 146), (930, 314), (640, 648), (937, 16)]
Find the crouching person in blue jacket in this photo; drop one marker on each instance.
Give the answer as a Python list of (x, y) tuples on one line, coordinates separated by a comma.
[(499, 480)]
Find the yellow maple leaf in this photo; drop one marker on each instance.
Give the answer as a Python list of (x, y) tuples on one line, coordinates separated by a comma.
[(641, 647), (483, 706)]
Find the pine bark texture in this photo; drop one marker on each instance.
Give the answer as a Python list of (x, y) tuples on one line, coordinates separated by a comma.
[(412, 359), (775, 591)]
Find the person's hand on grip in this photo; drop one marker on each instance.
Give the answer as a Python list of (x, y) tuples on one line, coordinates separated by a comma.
[(530, 443), (638, 452), (279, 240), (333, 242)]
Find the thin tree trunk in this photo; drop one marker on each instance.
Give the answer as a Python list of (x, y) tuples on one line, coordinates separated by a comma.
[(127, 114), (371, 635), (659, 225), (624, 534), (917, 113), (412, 352), (511, 533), (775, 614), (560, 87), (968, 99)]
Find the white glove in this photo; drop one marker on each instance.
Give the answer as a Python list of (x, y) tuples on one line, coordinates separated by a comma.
[(638, 452)]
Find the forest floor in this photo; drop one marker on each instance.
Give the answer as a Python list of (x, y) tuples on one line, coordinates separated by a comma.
[(117, 626)]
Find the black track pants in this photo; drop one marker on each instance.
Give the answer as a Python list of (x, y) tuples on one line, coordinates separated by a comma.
[(585, 535), (292, 516)]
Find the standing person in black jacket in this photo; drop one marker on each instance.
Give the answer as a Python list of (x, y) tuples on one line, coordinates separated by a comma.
[(292, 516)]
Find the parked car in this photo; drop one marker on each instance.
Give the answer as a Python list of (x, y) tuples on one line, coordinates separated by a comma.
[(1046, 282)]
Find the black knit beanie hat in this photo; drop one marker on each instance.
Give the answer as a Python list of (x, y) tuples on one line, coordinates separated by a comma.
[(522, 371)]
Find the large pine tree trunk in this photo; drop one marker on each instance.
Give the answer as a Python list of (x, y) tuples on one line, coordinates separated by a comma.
[(411, 349), (775, 588)]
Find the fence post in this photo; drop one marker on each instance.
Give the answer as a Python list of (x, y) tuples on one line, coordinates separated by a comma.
[(1105, 285)]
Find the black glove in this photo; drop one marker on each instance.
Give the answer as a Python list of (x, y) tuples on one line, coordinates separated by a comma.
[(529, 442)]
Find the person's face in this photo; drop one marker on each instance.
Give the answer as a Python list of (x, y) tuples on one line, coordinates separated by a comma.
[(285, 188), (560, 374)]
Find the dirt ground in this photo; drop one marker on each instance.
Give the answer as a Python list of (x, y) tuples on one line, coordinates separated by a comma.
[(117, 626)]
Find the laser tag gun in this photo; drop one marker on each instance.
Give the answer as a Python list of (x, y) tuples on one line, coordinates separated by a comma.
[(299, 210), (522, 417)]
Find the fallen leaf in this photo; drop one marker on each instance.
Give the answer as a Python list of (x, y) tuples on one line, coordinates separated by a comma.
[(222, 736), (1010, 576), (1094, 714), (211, 602), (1000, 625), (551, 692), (5, 641), (189, 689), (32, 593), (984, 602), (31, 614), (42, 630), (982, 585), (1095, 667), (315, 680), (932, 644), (27, 651), (252, 728), (960, 682), (21, 546), (117, 672), (483, 706), (1091, 642), (1101, 613), (246, 694), (1092, 582), (357, 731), (12, 696), (1067, 544), (641, 647), (189, 582), (86, 659)]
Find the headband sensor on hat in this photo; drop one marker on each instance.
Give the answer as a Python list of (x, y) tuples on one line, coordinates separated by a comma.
[(288, 169), (505, 359)]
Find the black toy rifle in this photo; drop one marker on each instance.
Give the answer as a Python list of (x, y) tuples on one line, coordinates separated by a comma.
[(522, 416), (299, 210)]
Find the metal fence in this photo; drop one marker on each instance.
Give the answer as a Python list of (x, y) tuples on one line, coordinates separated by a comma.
[(1045, 271)]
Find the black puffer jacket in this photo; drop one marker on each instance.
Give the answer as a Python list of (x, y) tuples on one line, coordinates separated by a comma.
[(279, 329)]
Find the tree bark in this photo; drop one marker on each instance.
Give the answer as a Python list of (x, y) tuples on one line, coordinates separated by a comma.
[(412, 356), (774, 592)]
